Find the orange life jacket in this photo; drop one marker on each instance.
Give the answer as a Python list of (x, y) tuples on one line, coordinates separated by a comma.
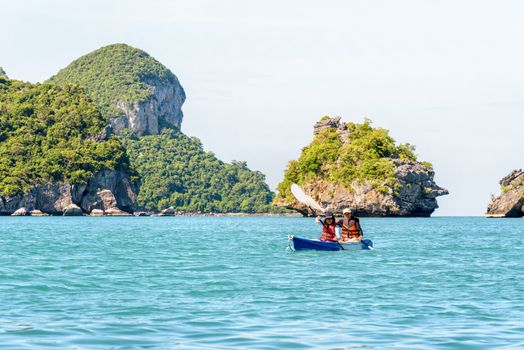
[(328, 233), (350, 228)]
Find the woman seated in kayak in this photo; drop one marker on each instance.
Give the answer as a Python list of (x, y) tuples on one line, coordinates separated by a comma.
[(351, 230), (329, 232)]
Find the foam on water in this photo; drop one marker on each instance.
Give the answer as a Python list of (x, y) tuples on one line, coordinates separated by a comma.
[(229, 282)]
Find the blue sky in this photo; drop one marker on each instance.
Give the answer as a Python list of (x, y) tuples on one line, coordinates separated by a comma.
[(447, 76)]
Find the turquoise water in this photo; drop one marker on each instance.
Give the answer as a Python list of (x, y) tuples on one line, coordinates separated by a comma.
[(230, 283)]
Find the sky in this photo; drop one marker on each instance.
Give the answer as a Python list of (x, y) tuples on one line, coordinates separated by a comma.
[(446, 76)]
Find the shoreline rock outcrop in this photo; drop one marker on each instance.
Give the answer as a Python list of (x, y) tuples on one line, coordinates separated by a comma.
[(106, 190), (510, 203)]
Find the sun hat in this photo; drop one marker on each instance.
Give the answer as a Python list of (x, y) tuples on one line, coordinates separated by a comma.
[(329, 214), (347, 210)]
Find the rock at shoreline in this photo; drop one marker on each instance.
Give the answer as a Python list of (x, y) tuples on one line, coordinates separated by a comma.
[(141, 213), (510, 203), (20, 212), (73, 210), (116, 212), (168, 212), (96, 212), (37, 212)]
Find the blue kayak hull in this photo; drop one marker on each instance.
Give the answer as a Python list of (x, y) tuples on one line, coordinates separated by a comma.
[(297, 243)]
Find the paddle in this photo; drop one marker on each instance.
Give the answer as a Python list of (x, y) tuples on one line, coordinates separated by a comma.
[(305, 199), (310, 202)]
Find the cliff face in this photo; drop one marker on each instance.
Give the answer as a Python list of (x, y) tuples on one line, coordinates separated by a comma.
[(3, 73), (510, 203), (161, 108), (132, 89), (106, 190), (409, 189)]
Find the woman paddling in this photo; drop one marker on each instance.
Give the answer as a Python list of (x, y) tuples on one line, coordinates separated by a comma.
[(329, 232)]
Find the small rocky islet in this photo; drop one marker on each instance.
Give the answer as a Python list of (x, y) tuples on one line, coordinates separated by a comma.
[(361, 167), (510, 202), (103, 137)]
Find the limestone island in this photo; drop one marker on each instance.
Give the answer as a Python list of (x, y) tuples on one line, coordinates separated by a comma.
[(361, 167), (510, 203), (103, 137)]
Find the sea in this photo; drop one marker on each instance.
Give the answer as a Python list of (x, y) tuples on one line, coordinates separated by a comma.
[(232, 283)]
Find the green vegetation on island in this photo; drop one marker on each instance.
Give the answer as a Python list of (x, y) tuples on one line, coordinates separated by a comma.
[(113, 73), (177, 172), (364, 154), (51, 133)]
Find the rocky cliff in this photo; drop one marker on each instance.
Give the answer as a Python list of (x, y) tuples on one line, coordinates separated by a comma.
[(510, 203), (355, 166), (3, 73), (107, 190), (132, 88), (161, 108)]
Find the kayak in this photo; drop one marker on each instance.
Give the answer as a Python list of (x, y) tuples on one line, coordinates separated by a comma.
[(298, 243)]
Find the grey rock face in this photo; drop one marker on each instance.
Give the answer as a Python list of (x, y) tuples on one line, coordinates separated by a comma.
[(418, 191), (162, 108), (107, 189), (3, 73), (8, 205), (326, 123), (510, 203)]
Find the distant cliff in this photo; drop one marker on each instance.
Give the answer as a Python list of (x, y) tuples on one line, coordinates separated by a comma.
[(360, 167), (510, 203), (132, 88)]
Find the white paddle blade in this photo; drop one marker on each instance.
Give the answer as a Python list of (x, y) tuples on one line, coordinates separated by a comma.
[(304, 198), (298, 193), (313, 204)]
